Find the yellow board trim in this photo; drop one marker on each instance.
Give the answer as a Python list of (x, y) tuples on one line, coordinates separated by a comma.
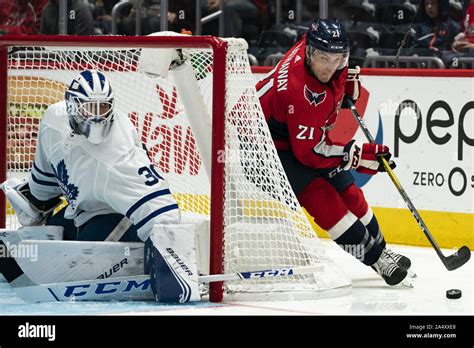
[(450, 230)]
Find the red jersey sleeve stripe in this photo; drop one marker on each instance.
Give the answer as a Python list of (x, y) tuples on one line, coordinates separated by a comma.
[(265, 88), (327, 150)]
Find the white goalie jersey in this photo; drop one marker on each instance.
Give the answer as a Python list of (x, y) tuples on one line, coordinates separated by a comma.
[(115, 176)]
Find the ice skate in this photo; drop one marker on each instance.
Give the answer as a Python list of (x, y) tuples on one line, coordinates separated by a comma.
[(390, 270), (402, 261)]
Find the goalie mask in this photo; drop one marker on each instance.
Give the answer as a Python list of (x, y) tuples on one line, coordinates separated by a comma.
[(90, 105), (327, 48)]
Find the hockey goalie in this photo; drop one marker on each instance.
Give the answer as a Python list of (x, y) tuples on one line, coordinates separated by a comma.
[(91, 155)]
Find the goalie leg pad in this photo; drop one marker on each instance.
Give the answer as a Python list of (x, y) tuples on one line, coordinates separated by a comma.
[(31, 232), (170, 259)]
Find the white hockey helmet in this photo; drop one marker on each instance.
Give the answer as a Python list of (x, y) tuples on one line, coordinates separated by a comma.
[(90, 105)]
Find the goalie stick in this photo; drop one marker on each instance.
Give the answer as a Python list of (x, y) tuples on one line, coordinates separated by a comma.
[(130, 287), (451, 262)]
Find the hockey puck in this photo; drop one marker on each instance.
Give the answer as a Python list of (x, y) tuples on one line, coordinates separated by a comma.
[(453, 294)]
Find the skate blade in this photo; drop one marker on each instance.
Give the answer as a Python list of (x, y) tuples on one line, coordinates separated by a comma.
[(407, 283), (411, 273)]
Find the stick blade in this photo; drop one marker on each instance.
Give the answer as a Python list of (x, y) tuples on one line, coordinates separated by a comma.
[(457, 259)]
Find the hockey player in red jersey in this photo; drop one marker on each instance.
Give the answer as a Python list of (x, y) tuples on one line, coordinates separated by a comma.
[(301, 99)]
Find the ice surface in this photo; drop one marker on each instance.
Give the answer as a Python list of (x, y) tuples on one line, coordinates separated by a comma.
[(370, 295)]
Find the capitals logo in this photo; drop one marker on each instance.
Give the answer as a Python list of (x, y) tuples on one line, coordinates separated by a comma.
[(70, 190), (314, 97)]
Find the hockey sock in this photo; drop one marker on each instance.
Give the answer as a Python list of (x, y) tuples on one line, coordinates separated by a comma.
[(354, 199), (357, 241), (370, 221)]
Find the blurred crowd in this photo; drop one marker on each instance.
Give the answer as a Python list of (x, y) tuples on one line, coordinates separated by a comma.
[(405, 28)]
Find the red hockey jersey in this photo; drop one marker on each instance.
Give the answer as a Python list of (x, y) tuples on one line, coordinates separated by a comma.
[(301, 111)]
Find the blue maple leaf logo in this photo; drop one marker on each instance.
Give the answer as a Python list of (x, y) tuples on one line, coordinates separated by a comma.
[(70, 190), (61, 172), (73, 191)]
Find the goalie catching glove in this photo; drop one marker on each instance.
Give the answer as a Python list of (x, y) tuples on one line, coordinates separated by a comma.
[(366, 160), (29, 210)]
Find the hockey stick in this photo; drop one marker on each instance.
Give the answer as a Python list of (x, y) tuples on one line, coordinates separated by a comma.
[(88, 259), (451, 262), (276, 272), (126, 288)]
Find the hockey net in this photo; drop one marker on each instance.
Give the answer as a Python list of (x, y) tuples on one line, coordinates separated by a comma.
[(205, 132)]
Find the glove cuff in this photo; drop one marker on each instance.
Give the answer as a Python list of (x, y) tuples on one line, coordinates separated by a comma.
[(351, 155)]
